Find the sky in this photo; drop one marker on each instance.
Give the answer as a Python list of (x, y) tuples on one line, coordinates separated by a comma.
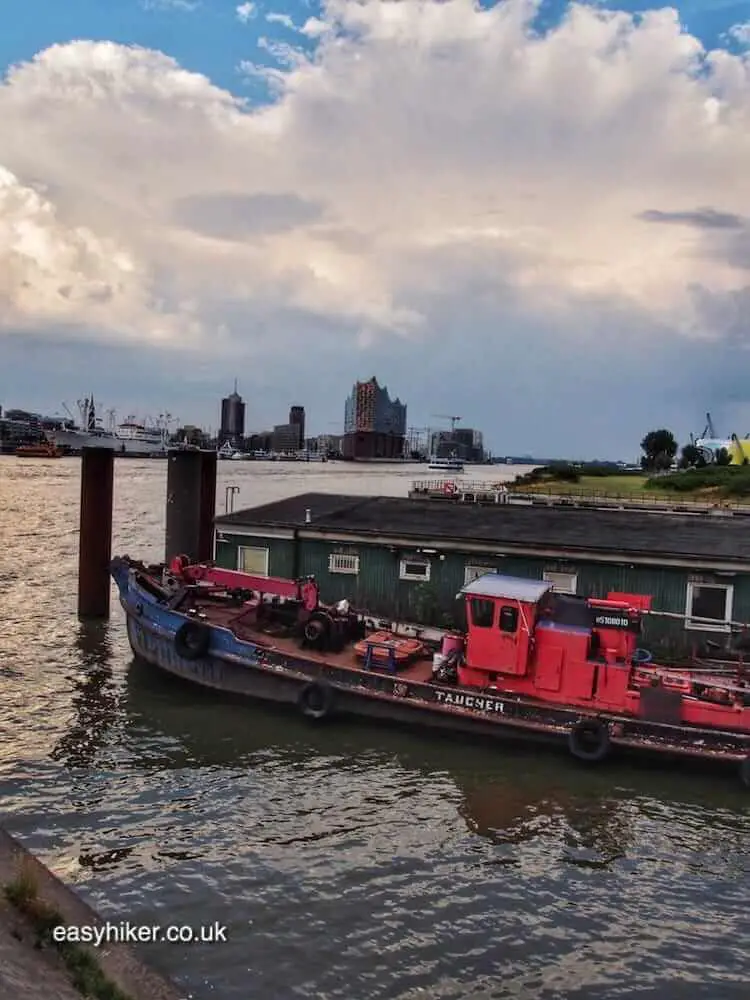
[(534, 215)]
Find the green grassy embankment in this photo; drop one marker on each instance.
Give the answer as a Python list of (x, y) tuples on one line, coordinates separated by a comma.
[(709, 484), (82, 966)]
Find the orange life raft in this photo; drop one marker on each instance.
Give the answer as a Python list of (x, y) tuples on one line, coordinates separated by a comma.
[(385, 645)]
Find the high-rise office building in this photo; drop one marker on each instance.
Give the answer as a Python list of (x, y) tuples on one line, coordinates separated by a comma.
[(297, 419), (232, 418)]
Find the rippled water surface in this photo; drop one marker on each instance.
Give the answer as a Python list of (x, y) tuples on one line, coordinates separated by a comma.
[(348, 861)]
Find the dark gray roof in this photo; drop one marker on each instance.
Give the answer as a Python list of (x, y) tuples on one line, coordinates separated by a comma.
[(627, 532)]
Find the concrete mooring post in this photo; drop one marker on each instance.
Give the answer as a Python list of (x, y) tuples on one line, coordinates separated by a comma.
[(191, 505), (95, 537)]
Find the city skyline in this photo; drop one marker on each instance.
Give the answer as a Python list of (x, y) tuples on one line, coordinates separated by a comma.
[(560, 251), (434, 428)]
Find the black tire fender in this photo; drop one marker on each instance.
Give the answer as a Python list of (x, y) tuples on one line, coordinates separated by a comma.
[(192, 640), (589, 740), (316, 630), (316, 700), (745, 771)]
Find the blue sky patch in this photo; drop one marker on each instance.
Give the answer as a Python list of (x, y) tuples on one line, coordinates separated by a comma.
[(216, 37)]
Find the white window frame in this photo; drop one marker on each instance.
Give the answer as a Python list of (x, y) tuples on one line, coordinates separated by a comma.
[(343, 562), (255, 548), (720, 625), (473, 571), (557, 578), (403, 573)]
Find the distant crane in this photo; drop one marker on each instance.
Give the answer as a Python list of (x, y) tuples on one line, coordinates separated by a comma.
[(417, 439), (709, 433), (446, 416)]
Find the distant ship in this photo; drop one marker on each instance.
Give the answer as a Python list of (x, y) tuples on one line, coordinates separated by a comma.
[(228, 452), (131, 438), (452, 464), (40, 450), (709, 444)]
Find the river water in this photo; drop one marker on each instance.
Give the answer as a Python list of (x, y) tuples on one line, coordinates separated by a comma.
[(349, 861)]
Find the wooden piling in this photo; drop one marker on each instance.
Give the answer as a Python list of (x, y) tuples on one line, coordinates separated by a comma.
[(95, 537), (191, 504)]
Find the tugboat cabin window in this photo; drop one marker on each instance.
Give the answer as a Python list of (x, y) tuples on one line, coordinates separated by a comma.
[(482, 612), (414, 569), (251, 559), (712, 601), (508, 621)]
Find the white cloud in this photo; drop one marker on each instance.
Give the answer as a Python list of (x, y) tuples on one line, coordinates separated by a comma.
[(314, 27), (741, 33), (431, 159), (245, 12), (284, 19), (184, 5), (57, 272)]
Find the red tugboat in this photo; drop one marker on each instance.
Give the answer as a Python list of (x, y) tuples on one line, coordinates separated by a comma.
[(533, 663)]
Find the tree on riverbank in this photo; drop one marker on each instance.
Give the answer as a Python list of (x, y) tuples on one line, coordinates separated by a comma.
[(659, 449), (691, 457)]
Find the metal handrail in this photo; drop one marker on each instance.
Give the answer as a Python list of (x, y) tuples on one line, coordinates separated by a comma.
[(636, 500), (461, 485), (459, 489)]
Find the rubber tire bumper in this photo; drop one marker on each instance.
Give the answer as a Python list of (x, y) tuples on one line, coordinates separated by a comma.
[(316, 700), (589, 740), (192, 640)]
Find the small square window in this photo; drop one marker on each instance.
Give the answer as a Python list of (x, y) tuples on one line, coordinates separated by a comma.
[(709, 606), (252, 559), (414, 569), (473, 572), (562, 583), (343, 562)]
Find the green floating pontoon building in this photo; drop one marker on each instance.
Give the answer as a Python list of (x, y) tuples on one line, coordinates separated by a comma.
[(406, 559)]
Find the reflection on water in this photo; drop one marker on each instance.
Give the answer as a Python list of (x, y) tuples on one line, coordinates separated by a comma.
[(94, 698), (348, 861)]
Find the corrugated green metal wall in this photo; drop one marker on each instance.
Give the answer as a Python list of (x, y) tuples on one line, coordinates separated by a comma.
[(378, 588), (280, 556)]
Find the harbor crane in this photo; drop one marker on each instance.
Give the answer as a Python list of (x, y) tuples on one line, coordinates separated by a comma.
[(708, 432), (447, 416)]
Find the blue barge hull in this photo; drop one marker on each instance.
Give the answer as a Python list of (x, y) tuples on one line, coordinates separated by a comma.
[(283, 674)]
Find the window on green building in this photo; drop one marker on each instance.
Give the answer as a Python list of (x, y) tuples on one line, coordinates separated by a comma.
[(414, 568), (472, 571), (343, 562), (252, 559), (709, 606), (563, 583)]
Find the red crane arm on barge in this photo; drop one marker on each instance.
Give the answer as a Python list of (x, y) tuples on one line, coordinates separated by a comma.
[(305, 591)]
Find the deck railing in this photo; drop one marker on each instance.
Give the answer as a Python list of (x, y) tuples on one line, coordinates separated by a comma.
[(473, 491), (447, 485)]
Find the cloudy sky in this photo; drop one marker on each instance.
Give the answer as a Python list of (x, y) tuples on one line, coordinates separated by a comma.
[(532, 214)]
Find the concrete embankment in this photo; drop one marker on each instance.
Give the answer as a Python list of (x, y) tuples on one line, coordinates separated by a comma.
[(29, 971)]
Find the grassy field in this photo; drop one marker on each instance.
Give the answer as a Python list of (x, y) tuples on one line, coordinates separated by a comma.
[(615, 485), (710, 484)]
